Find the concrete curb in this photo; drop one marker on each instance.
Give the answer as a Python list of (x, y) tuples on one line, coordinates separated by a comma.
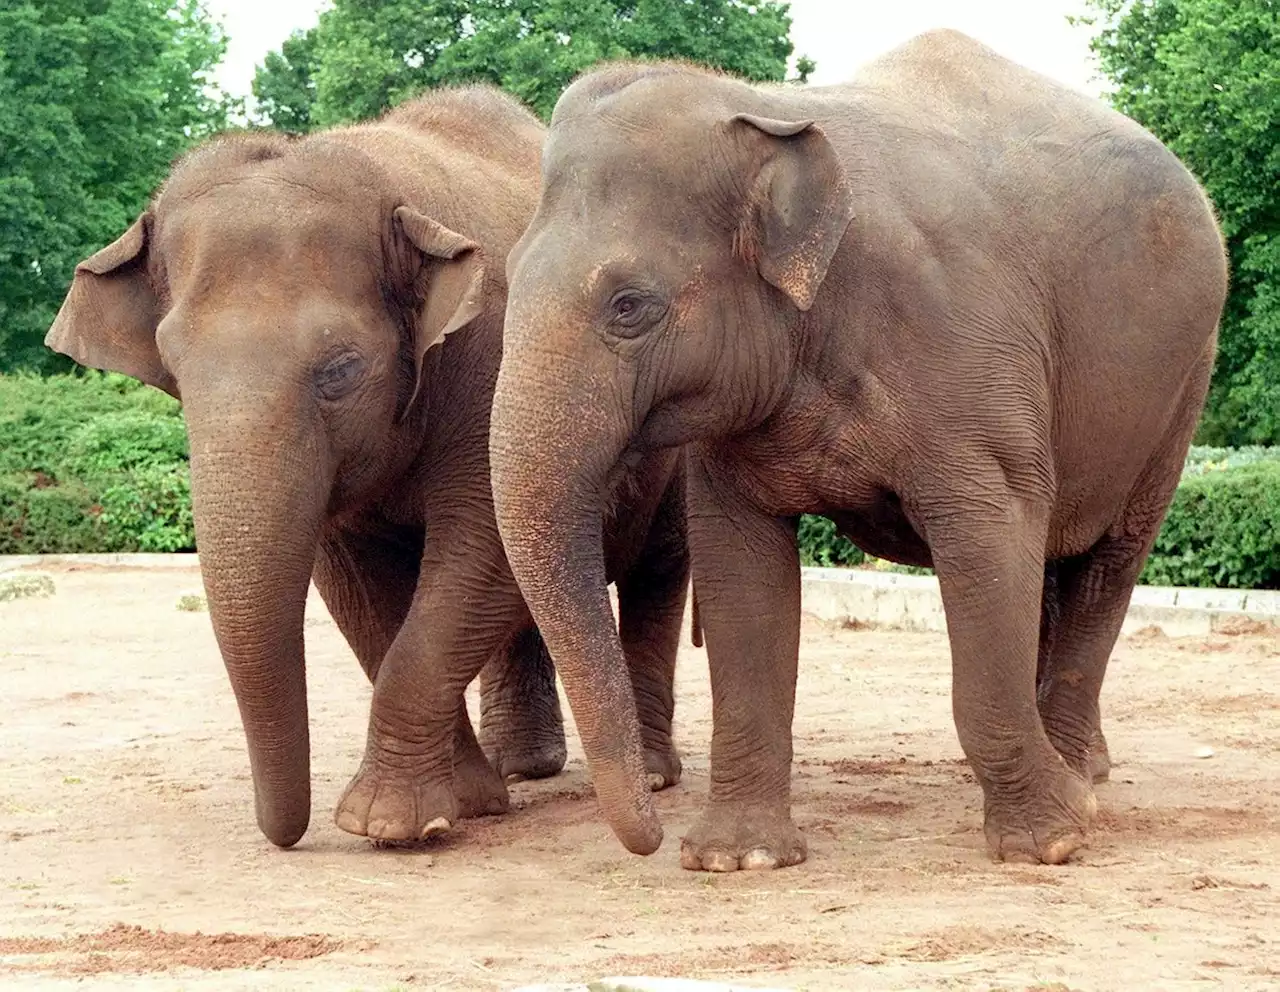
[(914, 602), (10, 562), (878, 599)]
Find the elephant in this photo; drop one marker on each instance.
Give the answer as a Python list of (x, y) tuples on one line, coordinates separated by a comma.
[(329, 312), (967, 313)]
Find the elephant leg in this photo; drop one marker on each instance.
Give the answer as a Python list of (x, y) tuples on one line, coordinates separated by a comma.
[(1067, 724), (367, 581), (521, 726), (747, 573), (989, 557), (477, 789), (651, 599), (466, 609), (1091, 594)]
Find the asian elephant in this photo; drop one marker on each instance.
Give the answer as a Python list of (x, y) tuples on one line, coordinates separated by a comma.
[(965, 312), (329, 311)]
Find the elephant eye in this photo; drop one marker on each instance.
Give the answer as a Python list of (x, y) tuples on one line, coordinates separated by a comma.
[(338, 375), (630, 310), (626, 306)]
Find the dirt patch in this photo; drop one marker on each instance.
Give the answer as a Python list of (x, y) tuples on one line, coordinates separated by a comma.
[(1246, 627), (962, 941), (1190, 822), (131, 855), (1252, 704), (136, 950), (744, 960), (878, 768)]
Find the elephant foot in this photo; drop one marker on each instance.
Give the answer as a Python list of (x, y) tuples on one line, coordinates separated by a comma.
[(521, 726), (385, 806), (663, 767), (1091, 760), (516, 761), (730, 837), (1043, 824), (1099, 766), (478, 788), (392, 807)]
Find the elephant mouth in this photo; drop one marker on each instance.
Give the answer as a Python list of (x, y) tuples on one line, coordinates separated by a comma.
[(621, 483)]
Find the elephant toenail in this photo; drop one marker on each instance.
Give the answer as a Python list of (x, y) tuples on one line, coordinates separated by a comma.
[(439, 825), (759, 859), (720, 861), (349, 822)]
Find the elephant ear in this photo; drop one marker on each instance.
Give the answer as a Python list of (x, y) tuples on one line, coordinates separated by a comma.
[(109, 318), (450, 285), (800, 206)]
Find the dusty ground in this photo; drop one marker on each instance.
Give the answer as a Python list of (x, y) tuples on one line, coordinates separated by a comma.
[(130, 857)]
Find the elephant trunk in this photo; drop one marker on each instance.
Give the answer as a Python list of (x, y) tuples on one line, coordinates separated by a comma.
[(551, 452), (258, 508)]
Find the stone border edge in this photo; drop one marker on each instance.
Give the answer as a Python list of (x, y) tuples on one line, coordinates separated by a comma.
[(878, 599), (914, 602)]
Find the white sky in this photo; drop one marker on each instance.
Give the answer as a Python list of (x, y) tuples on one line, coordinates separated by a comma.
[(838, 34)]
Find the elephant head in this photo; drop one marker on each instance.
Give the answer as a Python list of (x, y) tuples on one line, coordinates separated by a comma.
[(685, 227), (287, 294)]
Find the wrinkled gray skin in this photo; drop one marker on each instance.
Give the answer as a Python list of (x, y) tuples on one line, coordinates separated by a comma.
[(964, 312), (296, 296)]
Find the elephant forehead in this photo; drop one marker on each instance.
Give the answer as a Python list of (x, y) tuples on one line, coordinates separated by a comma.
[(601, 276), (607, 153), (236, 234)]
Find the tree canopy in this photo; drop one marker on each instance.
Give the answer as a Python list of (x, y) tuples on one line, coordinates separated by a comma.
[(96, 99), (1204, 76), (365, 56)]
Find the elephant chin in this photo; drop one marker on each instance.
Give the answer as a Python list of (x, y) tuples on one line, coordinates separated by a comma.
[(257, 527), (549, 466)]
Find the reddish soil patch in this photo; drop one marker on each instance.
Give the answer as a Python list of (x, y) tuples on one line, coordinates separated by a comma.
[(126, 949)]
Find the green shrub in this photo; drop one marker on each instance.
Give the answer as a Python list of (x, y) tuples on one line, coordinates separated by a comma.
[(38, 517), (1222, 531), (821, 545), (126, 440), (39, 416), (91, 463), (150, 510)]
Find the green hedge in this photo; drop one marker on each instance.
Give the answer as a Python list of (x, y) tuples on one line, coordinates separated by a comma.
[(98, 462), (91, 462), (1222, 530)]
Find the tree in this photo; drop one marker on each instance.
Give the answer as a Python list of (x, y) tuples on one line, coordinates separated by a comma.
[(1204, 76), (284, 85), (96, 99), (367, 55)]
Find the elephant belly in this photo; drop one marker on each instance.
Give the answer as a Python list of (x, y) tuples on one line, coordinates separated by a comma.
[(883, 531)]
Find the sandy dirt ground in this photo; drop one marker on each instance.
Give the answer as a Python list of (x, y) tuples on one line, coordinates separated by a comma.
[(129, 856)]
